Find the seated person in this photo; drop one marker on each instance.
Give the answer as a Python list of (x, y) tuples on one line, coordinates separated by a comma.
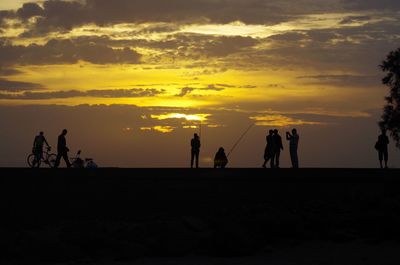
[(220, 160)]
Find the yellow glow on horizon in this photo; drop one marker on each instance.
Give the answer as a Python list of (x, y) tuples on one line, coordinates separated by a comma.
[(260, 87), (164, 129), (188, 117), (277, 120), (161, 129), (232, 29)]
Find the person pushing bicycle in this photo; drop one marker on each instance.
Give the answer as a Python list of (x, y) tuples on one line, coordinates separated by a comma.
[(38, 144)]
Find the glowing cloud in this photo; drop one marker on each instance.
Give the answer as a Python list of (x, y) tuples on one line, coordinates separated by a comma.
[(188, 117), (161, 129), (277, 120), (190, 127)]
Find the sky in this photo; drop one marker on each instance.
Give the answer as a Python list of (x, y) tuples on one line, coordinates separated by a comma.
[(132, 81)]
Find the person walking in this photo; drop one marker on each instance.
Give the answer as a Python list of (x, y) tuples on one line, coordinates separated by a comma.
[(195, 152), (382, 147), (269, 153), (37, 148), (62, 150), (293, 139), (278, 147)]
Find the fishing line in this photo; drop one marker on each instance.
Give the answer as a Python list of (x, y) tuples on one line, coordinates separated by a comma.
[(240, 138)]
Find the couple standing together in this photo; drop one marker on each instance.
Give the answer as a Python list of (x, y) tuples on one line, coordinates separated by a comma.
[(274, 147)]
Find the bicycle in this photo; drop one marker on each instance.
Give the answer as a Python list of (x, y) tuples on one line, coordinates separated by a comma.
[(47, 158), (78, 162)]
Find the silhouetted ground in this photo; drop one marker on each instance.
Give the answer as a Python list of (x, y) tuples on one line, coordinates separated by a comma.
[(205, 216)]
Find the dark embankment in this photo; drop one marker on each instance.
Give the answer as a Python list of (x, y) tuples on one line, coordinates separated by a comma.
[(125, 214)]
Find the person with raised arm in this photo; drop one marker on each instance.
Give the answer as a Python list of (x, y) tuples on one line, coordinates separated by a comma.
[(293, 139)]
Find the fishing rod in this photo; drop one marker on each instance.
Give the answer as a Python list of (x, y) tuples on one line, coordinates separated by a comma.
[(240, 139), (200, 129)]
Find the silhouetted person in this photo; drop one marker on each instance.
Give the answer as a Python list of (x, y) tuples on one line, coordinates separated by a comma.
[(37, 148), (382, 148), (269, 153), (293, 145), (220, 160), (278, 147), (195, 144), (62, 150)]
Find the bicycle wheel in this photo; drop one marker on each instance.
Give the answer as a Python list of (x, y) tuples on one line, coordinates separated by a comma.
[(32, 161), (51, 160)]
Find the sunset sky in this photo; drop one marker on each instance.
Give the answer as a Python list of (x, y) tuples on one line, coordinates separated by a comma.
[(132, 80)]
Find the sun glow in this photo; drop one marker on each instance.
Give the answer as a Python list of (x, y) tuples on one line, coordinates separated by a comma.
[(161, 129), (188, 117), (280, 121)]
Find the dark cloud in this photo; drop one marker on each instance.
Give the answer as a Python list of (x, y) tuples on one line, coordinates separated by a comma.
[(224, 46), (65, 15), (8, 71), (65, 51), (352, 49), (4, 14), (288, 37), (159, 29), (225, 85), (275, 86), (187, 90), (248, 86), (343, 80), (29, 10), (353, 19), (186, 45), (199, 46), (110, 93), (16, 86), (342, 49), (372, 5), (180, 46), (61, 15)]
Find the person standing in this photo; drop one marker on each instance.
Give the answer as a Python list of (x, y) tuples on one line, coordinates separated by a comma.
[(195, 152), (278, 147), (382, 147), (37, 148), (62, 150), (269, 153), (293, 145)]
